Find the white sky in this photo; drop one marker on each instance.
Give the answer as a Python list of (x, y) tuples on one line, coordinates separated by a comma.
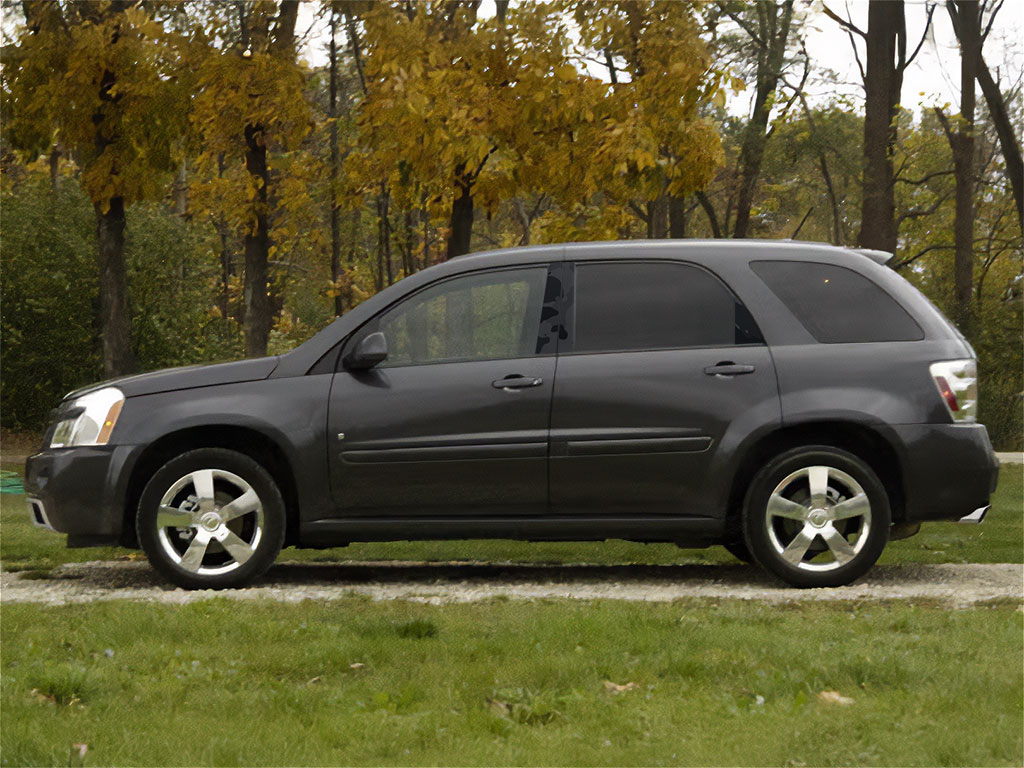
[(933, 78)]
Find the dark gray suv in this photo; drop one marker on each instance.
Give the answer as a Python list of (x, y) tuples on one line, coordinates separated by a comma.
[(800, 404)]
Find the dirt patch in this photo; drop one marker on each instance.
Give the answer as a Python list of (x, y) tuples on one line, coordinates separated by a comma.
[(440, 583)]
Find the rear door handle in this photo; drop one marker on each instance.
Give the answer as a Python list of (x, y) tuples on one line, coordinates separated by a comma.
[(728, 369), (510, 383)]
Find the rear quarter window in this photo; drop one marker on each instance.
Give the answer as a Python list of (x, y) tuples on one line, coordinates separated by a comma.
[(837, 305), (635, 305)]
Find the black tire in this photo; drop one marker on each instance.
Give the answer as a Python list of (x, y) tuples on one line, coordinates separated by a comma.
[(776, 541), (252, 540), (738, 549)]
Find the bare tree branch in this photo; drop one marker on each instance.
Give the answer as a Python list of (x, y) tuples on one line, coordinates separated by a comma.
[(849, 26), (924, 36)]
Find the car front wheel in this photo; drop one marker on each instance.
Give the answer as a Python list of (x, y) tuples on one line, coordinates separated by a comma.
[(211, 518), (816, 517)]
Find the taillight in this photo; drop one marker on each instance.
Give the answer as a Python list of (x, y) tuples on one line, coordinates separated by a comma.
[(957, 381)]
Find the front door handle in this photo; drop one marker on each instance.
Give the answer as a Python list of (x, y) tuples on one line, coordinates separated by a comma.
[(514, 382), (728, 368)]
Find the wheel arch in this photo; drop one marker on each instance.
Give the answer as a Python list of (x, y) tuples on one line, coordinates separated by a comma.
[(865, 442), (246, 440)]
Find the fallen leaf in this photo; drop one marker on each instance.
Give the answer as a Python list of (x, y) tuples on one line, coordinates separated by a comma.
[(357, 665), (614, 688), (43, 696), (76, 757), (498, 707), (834, 697), (315, 680)]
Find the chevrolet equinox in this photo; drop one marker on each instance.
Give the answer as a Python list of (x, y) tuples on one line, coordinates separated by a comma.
[(800, 404)]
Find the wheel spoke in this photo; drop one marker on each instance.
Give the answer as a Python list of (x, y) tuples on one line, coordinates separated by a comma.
[(794, 553), (779, 506), (840, 547), (818, 480), (243, 505), (192, 560), (237, 548), (172, 517), (856, 506), (203, 482)]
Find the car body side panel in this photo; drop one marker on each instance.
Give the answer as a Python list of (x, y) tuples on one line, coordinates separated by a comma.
[(870, 383), (291, 412), (639, 431), (441, 439)]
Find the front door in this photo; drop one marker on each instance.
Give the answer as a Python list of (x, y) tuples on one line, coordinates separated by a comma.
[(455, 420), (664, 366)]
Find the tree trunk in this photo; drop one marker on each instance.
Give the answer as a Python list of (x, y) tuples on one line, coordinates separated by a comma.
[(426, 230), (773, 28), (837, 217), (258, 310), (225, 274), (55, 154), (962, 144), (1007, 135), (408, 257), (115, 324), (181, 191), (709, 209), (461, 224), (996, 106), (676, 216), (882, 85), (383, 238), (115, 321), (657, 218), (335, 213), (226, 266)]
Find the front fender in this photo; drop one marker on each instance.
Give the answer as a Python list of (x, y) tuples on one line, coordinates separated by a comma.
[(290, 412)]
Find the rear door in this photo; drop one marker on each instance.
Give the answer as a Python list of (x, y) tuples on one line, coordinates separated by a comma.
[(455, 420), (663, 364)]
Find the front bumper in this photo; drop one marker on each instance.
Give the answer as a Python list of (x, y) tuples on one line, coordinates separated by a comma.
[(80, 491), (949, 470)]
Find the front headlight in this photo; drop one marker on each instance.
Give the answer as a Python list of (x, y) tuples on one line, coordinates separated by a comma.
[(91, 419)]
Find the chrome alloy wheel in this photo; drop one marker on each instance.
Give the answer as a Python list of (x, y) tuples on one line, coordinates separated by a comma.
[(818, 518), (210, 522)]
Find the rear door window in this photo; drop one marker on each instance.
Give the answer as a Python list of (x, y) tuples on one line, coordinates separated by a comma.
[(837, 305), (635, 305)]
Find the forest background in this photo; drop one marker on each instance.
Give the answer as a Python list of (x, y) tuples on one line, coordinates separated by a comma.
[(183, 182)]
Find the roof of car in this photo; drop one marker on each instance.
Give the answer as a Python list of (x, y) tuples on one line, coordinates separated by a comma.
[(300, 359), (644, 248)]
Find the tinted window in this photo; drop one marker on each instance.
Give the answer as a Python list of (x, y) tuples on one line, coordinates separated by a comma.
[(836, 304), (483, 316), (645, 305)]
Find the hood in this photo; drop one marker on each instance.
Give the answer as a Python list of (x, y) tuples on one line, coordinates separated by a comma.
[(189, 377)]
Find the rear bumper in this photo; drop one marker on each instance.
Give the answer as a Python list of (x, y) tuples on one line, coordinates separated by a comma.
[(949, 470), (79, 491)]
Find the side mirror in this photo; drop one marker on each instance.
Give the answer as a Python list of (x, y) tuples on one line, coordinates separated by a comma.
[(370, 351)]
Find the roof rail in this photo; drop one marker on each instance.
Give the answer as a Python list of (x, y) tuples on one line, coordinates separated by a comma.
[(881, 257)]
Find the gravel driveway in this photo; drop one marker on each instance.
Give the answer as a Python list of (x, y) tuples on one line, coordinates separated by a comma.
[(440, 583)]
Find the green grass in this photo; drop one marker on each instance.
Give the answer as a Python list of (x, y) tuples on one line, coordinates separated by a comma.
[(512, 683), (1000, 539)]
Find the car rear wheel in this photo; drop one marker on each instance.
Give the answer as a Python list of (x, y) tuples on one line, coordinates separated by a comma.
[(816, 517), (211, 519)]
